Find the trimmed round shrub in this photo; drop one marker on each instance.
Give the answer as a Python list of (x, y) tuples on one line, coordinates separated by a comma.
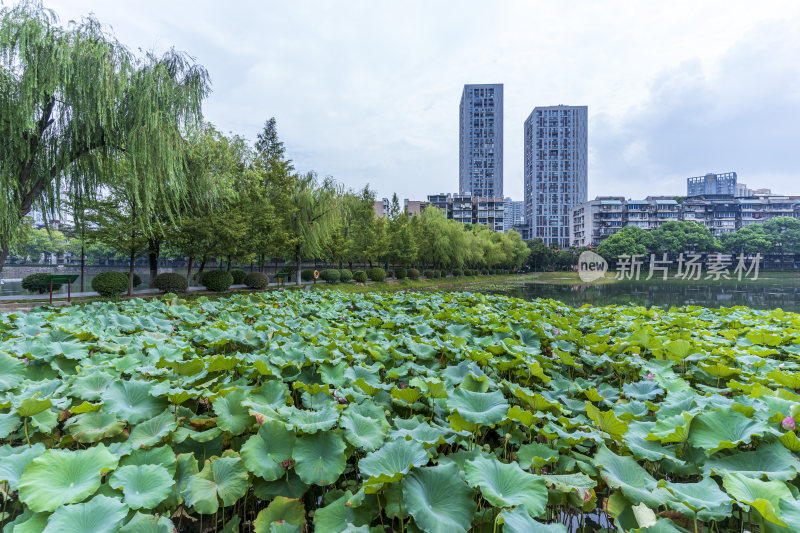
[(437, 273), (36, 283), (400, 273), (217, 280), (238, 276), (457, 272), (170, 282), (256, 280), (331, 276), (345, 275), (413, 273), (360, 276), (428, 274), (307, 274), (110, 283), (376, 274)]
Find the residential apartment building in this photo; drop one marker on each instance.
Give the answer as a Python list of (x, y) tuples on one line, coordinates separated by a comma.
[(600, 218), (712, 184), (514, 214), (555, 170), (471, 209), (414, 207), (480, 164)]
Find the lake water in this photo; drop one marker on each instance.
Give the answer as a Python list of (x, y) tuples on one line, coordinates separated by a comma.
[(780, 292)]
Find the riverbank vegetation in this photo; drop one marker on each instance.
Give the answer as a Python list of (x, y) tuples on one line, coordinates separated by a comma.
[(405, 411)]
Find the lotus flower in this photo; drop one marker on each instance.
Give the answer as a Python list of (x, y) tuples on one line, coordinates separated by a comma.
[(650, 377), (555, 331), (788, 423)]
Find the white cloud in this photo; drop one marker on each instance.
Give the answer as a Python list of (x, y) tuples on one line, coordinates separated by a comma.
[(368, 91)]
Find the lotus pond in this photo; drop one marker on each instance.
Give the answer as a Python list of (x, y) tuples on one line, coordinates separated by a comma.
[(437, 412)]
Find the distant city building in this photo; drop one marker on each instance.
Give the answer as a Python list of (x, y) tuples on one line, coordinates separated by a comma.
[(471, 209), (712, 184), (414, 207), (514, 214), (382, 207), (743, 191), (555, 171), (480, 166), (600, 218)]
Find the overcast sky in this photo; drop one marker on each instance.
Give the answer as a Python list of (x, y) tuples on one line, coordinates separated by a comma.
[(368, 91)]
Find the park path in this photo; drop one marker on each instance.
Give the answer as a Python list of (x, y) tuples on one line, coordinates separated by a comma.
[(26, 302)]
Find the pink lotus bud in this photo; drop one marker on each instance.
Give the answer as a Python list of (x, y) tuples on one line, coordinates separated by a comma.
[(556, 332), (402, 384), (650, 377), (788, 423)]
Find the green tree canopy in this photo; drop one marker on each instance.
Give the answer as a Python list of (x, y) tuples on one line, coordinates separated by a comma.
[(71, 100)]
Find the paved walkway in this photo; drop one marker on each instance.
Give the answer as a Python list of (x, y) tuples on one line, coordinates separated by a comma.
[(136, 292)]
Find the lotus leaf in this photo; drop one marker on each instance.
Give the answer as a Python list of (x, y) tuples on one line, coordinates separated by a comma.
[(438, 499), (507, 485)]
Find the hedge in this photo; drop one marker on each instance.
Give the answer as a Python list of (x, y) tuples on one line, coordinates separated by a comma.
[(376, 274), (217, 280), (36, 283), (256, 280), (110, 283), (413, 273), (345, 275), (238, 276), (307, 274), (171, 282), (360, 276), (400, 273), (429, 274), (330, 275), (457, 272)]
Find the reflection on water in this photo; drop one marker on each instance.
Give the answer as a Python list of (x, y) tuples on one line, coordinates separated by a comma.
[(783, 293), (14, 287)]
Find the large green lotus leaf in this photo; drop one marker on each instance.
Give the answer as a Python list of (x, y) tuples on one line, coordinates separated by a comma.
[(131, 401), (790, 511), (392, 461), (27, 522), (14, 460), (320, 458), (185, 467), (703, 499), (485, 408), (310, 421), (721, 429), (222, 478), (145, 523), (101, 514), (651, 450), (536, 455), (335, 517), (58, 477), (152, 431), (272, 394), (12, 372), (607, 421), (506, 484), (9, 422), (363, 432), (438, 499), (764, 496), (428, 434), (670, 429), (91, 385), (518, 521), (626, 474), (163, 455), (144, 486), (580, 483), (94, 426), (290, 486), (264, 452), (288, 510), (771, 461), (32, 406), (642, 390), (232, 416)]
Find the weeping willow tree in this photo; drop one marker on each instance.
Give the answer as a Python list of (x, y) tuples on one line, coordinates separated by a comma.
[(73, 100), (314, 218)]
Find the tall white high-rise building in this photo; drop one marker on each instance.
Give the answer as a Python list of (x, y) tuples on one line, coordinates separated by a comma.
[(556, 173), (480, 165), (514, 214)]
